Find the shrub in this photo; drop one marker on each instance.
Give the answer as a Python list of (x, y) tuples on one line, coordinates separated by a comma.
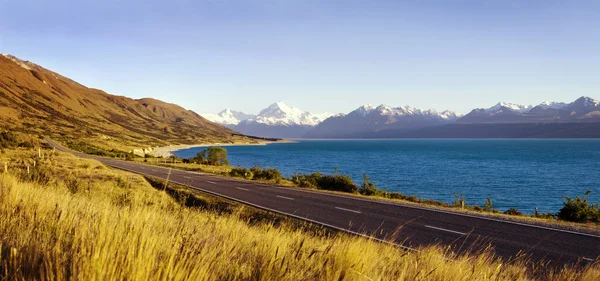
[(216, 156), (266, 173), (579, 209), (368, 188), (8, 140), (317, 180), (241, 173), (513, 212)]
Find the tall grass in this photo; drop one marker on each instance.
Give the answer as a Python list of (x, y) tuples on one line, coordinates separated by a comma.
[(115, 226)]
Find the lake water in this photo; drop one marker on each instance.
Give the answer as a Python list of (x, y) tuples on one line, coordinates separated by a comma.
[(523, 174)]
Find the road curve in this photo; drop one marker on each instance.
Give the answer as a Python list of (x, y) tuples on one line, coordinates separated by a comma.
[(405, 225)]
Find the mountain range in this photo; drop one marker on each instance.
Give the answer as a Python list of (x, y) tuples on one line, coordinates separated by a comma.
[(277, 120), (384, 121), (580, 118), (36, 100)]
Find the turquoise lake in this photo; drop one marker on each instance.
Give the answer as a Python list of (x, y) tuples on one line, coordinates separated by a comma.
[(523, 174)]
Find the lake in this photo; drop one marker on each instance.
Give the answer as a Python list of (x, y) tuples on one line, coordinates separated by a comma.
[(523, 173)]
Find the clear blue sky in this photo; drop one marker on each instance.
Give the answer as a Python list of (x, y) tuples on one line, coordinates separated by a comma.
[(316, 55)]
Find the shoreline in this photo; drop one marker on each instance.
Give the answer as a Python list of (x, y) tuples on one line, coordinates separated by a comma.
[(167, 151)]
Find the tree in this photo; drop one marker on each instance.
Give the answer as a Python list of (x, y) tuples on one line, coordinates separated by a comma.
[(367, 188), (216, 156)]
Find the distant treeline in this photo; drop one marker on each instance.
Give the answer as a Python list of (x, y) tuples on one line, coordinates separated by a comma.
[(256, 138)]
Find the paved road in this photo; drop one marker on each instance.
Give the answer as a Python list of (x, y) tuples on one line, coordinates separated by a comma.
[(407, 226)]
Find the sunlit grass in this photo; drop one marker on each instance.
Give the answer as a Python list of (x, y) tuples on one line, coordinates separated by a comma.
[(81, 220)]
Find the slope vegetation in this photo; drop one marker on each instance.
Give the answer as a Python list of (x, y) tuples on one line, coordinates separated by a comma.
[(35, 99)]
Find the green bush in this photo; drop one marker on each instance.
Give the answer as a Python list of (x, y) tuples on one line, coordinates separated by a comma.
[(241, 173), (368, 188), (266, 174), (216, 156), (317, 180), (579, 209)]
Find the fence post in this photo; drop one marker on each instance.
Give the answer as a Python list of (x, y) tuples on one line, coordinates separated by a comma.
[(462, 204), (536, 212), (5, 167)]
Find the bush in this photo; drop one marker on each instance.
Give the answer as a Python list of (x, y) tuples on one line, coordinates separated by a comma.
[(579, 209), (266, 174), (241, 173), (94, 150), (216, 156), (317, 180), (513, 212), (8, 140), (368, 188)]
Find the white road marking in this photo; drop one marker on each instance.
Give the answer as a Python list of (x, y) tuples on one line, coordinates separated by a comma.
[(187, 177), (344, 209), (241, 188), (588, 259), (288, 198), (443, 229), (211, 182)]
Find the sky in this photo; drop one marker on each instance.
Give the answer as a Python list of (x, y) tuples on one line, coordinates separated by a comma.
[(319, 56)]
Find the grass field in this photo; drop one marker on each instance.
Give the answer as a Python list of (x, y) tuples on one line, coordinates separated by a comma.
[(71, 218)]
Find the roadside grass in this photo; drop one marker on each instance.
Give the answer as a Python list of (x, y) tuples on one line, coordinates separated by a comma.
[(74, 218)]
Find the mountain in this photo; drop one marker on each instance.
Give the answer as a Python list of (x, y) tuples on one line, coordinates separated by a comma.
[(368, 119), (228, 117), (36, 100), (278, 120), (584, 109)]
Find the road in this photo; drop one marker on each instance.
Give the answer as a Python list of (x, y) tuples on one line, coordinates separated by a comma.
[(408, 226)]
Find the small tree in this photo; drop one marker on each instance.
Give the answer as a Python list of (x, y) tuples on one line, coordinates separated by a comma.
[(579, 209), (216, 156), (367, 188)]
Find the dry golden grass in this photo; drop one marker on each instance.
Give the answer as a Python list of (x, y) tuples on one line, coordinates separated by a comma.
[(77, 219)]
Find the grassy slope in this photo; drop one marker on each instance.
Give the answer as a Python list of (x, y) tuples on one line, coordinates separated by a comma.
[(76, 218), (36, 100)]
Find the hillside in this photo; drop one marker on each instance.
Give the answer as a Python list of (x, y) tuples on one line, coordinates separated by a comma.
[(36, 100)]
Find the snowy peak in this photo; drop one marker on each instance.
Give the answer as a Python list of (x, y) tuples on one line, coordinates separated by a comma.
[(364, 110), (386, 110), (276, 114), (280, 110), (586, 102), (501, 106), (280, 113), (228, 117), (552, 105)]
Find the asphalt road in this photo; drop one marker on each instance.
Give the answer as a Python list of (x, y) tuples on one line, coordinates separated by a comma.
[(407, 226)]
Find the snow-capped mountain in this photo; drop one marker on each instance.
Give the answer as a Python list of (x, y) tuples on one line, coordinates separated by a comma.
[(277, 120), (228, 117), (582, 109), (367, 119), (281, 114)]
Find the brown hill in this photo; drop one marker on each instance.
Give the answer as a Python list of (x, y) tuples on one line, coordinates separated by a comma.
[(36, 100)]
